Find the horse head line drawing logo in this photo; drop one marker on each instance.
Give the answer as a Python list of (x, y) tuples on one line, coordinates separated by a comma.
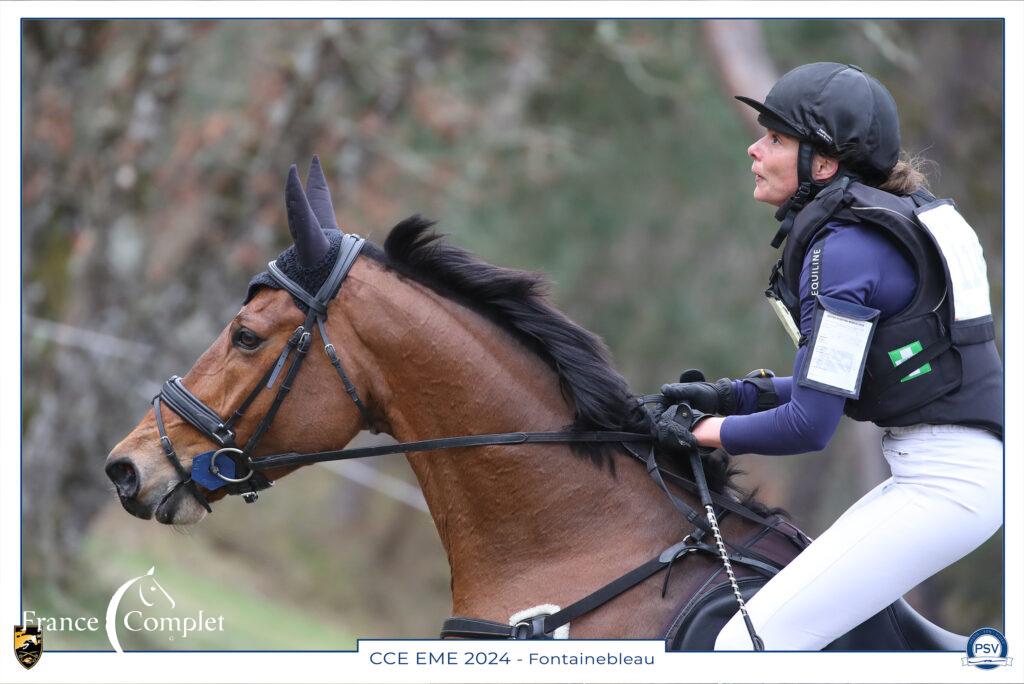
[(115, 601)]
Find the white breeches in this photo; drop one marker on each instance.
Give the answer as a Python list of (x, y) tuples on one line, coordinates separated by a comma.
[(944, 499)]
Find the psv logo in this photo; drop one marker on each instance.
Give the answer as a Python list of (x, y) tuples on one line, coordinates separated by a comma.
[(992, 648), (986, 649)]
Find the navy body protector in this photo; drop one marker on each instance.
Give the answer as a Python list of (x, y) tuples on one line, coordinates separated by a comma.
[(954, 374)]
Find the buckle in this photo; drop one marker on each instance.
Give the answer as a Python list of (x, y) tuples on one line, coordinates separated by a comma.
[(252, 495), (530, 628), (522, 630), (223, 435)]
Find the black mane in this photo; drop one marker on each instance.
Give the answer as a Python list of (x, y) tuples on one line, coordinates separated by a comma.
[(516, 301)]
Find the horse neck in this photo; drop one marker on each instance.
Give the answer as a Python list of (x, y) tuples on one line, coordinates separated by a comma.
[(514, 520)]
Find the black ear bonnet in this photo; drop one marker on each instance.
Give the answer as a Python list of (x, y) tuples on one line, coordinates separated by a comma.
[(311, 278)]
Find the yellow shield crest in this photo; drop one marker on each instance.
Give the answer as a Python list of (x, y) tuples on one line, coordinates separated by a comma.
[(28, 645)]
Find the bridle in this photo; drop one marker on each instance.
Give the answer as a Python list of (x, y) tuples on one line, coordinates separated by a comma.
[(240, 474), (235, 470)]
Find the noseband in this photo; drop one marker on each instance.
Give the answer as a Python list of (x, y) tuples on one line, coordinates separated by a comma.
[(237, 474)]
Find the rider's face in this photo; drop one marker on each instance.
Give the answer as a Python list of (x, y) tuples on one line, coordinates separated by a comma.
[(774, 167)]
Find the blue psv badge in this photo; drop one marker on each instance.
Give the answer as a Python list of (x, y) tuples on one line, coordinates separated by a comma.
[(986, 649)]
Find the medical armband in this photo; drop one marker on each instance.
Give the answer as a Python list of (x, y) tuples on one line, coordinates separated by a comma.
[(838, 347)]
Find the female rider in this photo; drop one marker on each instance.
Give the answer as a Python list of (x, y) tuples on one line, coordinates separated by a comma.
[(874, 272)]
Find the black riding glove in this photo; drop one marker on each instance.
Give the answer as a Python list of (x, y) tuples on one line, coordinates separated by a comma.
[(675, 437), (706, 397)]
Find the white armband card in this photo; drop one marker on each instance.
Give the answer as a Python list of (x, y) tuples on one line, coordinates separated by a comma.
[(838, 347)]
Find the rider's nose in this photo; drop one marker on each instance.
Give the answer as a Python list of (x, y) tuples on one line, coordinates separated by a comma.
[(752, 151), (125, 477)]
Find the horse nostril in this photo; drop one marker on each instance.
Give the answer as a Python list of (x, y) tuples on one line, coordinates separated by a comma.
[(125, 477)]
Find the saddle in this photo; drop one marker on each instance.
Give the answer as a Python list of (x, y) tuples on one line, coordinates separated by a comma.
[(700, 618)]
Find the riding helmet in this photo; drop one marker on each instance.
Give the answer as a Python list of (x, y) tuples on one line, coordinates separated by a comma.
[(840, 110)]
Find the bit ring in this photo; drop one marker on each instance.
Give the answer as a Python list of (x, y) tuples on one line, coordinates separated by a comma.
[(216, 471)]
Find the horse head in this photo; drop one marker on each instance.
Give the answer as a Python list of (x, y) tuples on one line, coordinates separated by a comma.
[(148, 481)]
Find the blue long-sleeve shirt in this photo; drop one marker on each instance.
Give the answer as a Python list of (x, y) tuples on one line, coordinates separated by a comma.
[(858, 264)]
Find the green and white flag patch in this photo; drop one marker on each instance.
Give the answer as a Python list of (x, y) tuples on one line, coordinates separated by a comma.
[(901, 355)]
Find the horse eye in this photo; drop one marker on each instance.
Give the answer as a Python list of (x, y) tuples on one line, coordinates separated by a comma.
[(247, 339)]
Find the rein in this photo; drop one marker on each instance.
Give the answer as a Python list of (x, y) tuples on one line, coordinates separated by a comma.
[(235, 470), (505, 438)]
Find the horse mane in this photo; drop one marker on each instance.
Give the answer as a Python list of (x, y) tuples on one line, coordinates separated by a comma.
[(516, 301)]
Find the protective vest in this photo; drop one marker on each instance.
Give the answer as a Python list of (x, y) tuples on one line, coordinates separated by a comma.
[(936, 360)]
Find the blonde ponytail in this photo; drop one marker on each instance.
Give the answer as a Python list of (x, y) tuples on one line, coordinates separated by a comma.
[(907, 176)]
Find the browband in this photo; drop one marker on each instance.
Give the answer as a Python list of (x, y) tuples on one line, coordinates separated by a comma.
[(350, 247)]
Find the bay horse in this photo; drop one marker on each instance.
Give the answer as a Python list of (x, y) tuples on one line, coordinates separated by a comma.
[(430, 342)]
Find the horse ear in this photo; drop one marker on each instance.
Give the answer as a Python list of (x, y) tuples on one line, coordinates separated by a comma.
[(320, 195), (310, 242)]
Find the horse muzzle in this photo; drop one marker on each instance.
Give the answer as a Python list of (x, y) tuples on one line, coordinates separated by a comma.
[(150, 495)]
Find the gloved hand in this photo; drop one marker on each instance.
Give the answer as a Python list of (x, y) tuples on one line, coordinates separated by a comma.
[(705, 397), (673, 436)]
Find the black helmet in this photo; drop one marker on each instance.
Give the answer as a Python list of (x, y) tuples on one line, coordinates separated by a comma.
[(840, 110)]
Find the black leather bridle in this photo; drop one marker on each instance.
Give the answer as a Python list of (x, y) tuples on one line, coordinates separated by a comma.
[(244, 475), (235, 470)]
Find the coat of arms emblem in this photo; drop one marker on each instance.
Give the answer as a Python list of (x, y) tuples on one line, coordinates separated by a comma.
[(28, 645)]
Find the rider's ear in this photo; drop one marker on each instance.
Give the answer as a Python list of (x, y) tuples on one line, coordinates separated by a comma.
[(319, 196), (823, 168), (310, 242)]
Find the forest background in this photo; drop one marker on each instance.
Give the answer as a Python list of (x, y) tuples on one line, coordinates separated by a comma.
[(608, 154)]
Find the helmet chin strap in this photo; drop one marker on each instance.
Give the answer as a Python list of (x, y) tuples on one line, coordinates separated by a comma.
[(805, 192)]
